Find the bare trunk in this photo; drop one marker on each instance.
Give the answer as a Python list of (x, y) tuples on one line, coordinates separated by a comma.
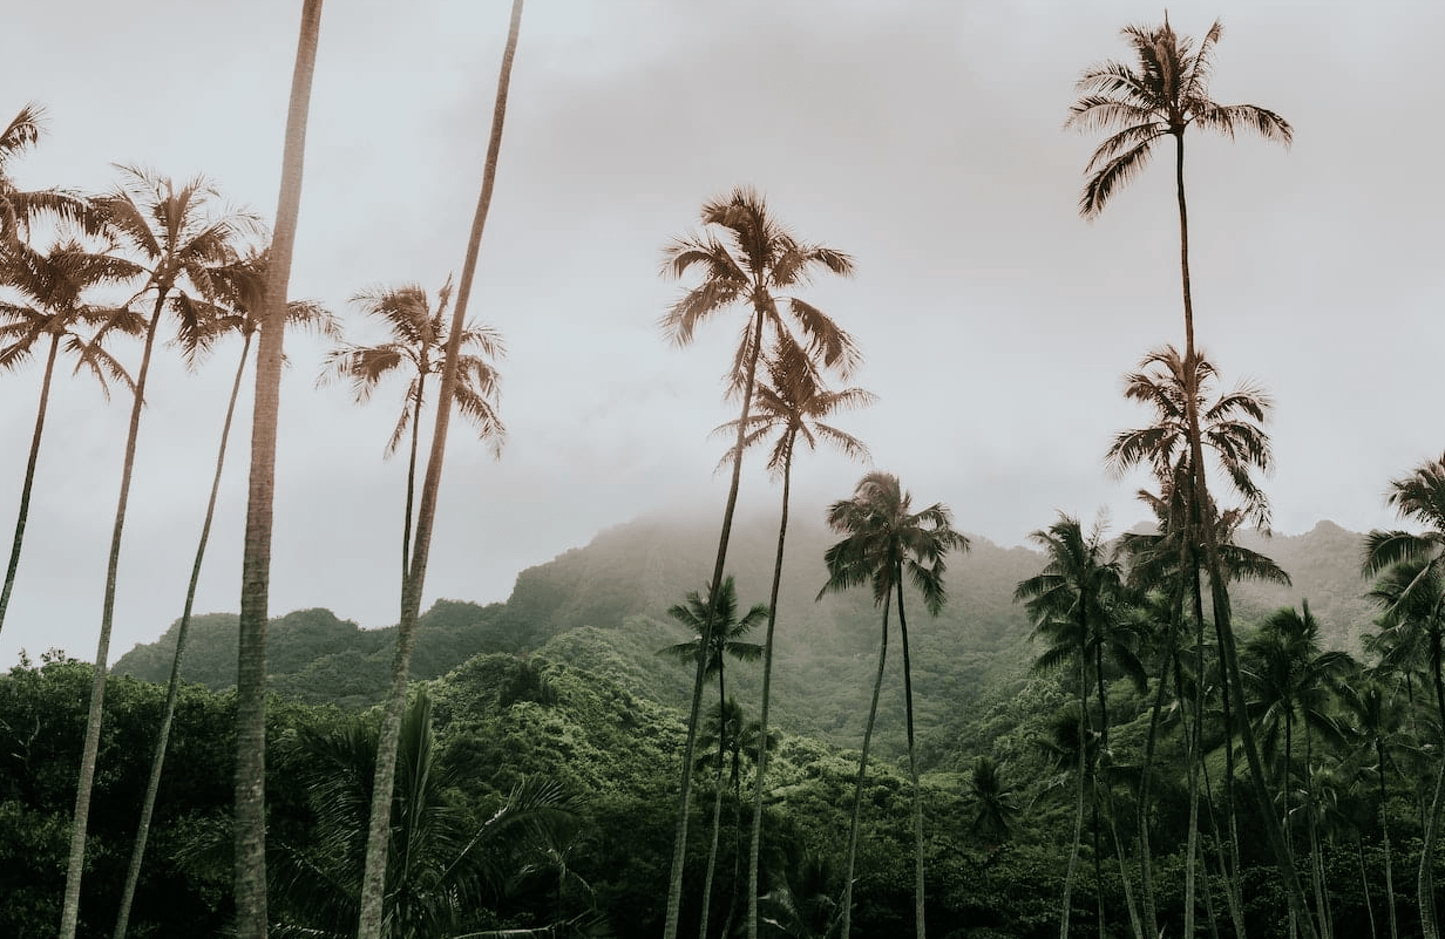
[(1385, 836), (411, 476), (373, 886), (1067, 903), (759, 782), (1228, 657), (717, 798), (918, 912), (250, 818), (163, 736), (847, 903), (24, 512), (70, 909)]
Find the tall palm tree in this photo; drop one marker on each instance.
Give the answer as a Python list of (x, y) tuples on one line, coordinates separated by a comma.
[(792, 405), (50, 304), (747, 257), (250, 815), (414, 579), (1163, 95), (18, 206), (994, 805), (178, 237), (239, 297), (885, 542), (417, 348), (719, 634), (1078, 604)]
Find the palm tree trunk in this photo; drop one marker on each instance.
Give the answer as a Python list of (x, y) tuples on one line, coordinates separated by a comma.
[(847, 903), (1232, 890), (70, 909), (163, 736), (1227, 653), (717, 798), (250, 817), (1385, 836), (1146, 864), (760, 781), (29, 477), (411, 476), (373, 883), (679, 844), (1067, 903), (918, 911), (1429, 927), (1365, 887), (1196, 753)]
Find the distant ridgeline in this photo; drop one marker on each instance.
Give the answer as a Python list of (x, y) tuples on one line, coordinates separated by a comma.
[(604, 608)]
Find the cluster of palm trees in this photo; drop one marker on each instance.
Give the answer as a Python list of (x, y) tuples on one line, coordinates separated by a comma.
[(81, 271)]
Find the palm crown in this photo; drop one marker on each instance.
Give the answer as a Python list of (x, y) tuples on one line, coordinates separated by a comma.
[(1165, 93)]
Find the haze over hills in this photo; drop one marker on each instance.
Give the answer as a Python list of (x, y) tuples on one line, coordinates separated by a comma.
[(604, 607)]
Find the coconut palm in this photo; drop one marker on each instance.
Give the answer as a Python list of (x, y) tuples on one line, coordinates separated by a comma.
[(18, 206), (994, 805), (239, 289), (1375, 726), (718, 635), (1165, 94), (792, 405), (747, 257), (51, 312), (250, 814), (1078, 604), (414, 579), (417, 349), (884, 540), (178, 236)]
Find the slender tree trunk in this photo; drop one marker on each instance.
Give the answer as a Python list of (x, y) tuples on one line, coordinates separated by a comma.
[(679, 844), (250, 817), (29, 477), (753, 851), (717, 798), (163, 736), (1068, 898), (1146, 864), (1385, 836), (918, 911), (373, 885), (1232, 890), (1196, 754), (1365, 887), (70, 909), (1429, 927), (1227, 653), (411, 476), (847, 903)]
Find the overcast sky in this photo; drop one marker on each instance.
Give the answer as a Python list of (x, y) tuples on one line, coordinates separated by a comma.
[(925, 138)]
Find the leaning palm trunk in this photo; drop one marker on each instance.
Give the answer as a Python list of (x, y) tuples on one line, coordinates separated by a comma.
[(847, 904), (29, 478), (250, 817), (1385, 836), (1146, 865), (762, 762), (70, 909), (373, 885), (1429, 928), (912, 765), (1233, 684), (132, 876)]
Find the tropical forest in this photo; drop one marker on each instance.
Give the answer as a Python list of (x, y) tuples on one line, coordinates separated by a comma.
[(795, 716)]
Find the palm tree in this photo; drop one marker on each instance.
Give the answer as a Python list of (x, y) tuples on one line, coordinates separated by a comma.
[(414, 580), (1294, 680), (1376, 727), (791, 404), (18, 206), (884, 541), (250, 815), (718, 635), (1166, 94), (51, 305), (747, 257), (1411, 593), (417, 348), (994, 806), (178, 237), (240, 292), (1077, 602)]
